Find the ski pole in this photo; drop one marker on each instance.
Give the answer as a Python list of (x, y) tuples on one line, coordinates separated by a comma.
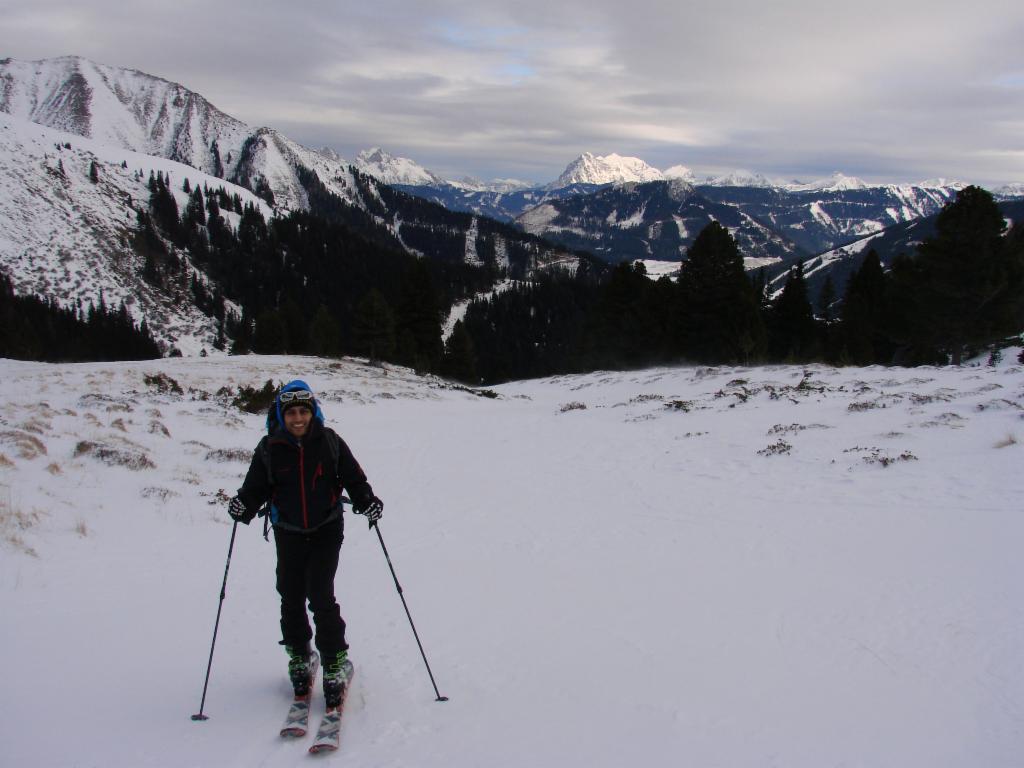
[(406, 605), (216, 624)]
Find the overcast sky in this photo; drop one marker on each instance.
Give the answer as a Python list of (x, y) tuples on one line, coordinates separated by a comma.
[(901, 90)]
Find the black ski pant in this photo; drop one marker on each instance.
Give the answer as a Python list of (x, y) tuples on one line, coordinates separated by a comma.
[(306, 565)]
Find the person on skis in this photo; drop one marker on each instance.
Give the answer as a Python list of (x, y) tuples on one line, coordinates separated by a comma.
[(301, 468)]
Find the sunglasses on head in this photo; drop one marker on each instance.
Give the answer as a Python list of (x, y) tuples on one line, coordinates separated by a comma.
[(297, 396)]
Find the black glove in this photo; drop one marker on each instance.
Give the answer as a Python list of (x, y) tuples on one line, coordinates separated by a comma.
[(238, 511), (372, 507)]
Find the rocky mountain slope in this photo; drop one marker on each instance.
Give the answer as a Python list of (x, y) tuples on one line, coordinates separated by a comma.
[(71, 237)]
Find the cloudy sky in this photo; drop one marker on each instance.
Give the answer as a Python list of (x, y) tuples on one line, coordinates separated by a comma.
[(901, 90)]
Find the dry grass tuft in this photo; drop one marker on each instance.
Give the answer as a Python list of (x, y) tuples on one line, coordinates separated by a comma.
[(1007, 441), (26, 446), (14, 522), (118, 457)]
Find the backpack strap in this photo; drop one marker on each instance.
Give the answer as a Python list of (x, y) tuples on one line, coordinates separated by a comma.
[(264, 451), (333, 446)]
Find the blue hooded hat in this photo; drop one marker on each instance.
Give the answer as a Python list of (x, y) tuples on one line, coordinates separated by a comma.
[(295, 385)]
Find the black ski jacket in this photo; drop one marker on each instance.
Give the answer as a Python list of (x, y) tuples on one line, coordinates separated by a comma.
[(301, 479)]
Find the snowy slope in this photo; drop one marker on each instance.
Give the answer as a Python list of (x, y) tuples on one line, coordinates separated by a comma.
[(68, 238), (733, 567), (126, 109)]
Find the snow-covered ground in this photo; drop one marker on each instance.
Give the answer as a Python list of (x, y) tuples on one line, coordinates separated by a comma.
[(670, 567)]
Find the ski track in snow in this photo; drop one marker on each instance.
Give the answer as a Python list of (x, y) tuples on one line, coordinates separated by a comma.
[(677, 566)]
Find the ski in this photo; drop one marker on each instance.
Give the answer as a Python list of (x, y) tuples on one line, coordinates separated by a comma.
[(328, 734), (297, 722)]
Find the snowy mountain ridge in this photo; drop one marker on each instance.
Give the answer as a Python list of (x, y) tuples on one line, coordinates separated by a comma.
[(394, 170), (147, 114)]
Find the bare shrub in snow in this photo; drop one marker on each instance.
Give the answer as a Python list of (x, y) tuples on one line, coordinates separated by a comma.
[(54, 468), (780, 429), (885, 461), (160, 494), (878, 456), (157, 428), (1007, 441), (680, 405), (5, 462), (115, 457), (999, 405), (645, 398), (119, 425), (163, 384), (219, 498), (866, 405), (229, 454), (946, 420), (252, 400), (575, 405), (24, 445), (780, 448), (81, 528), (937, 397)]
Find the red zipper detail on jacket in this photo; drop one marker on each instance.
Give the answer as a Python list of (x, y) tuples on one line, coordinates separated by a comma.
[(302, 486)]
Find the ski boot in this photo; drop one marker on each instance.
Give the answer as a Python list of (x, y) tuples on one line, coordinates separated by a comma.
[(302, 667), (337, 674)]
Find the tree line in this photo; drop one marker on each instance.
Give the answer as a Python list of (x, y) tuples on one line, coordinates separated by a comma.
[(309, 283), (961, 290), (301, 283), (34, 329)]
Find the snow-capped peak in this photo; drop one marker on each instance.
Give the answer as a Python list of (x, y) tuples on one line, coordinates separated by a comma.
[(940, 184), (608, 169), (741, 178), (394, 170), (681, 172), (1011, 190), (837, 182), (503, 186)]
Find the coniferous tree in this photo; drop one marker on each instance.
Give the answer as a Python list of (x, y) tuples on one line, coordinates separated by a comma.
[(270, 336), (195, 210), (718, 320), (419, 320), (373, 327), (792, 329), (459, 361), (324, 334), (968, 280), (864, 315), (624, 320), (296, 334)]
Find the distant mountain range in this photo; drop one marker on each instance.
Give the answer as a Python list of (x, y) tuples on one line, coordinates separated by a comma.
[(65, 236), (66, 121)]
